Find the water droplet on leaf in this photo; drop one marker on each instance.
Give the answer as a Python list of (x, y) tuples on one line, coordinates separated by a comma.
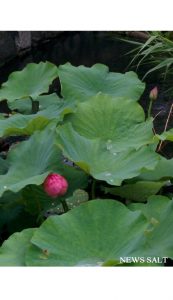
[(109, 144), (108, 174)]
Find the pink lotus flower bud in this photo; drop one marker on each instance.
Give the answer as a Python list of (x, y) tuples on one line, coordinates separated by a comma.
[(55, 185), (153, 93)]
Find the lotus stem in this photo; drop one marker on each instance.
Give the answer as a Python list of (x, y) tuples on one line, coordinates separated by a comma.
[(149, 108), (65, 206), (93, 188), (152, 96), (166, 125)]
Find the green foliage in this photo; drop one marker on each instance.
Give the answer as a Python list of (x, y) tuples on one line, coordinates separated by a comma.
[(162, 171), (154, 208), (14, 217), (98, 138), (88, 236), (25, 106), (85, 236), (81, 82), (32, 81), (12, 253), (159, 210), (19, 124), (138, 192), (22, 125), (30, 162), (155, 53), (79, 196), (3, 166), (166, 135)]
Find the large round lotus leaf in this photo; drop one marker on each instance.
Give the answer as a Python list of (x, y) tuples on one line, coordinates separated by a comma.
[(82, 82), (93, 156), (12, 252), (100, 232), (91, 234), (32, 81), (108, 138), (30, 161), (138, 191), (120, 123)]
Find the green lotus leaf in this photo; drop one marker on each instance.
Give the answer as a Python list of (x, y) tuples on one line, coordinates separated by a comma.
[(79, 196), (91, 234), (162, 171), (12, 252), (94, 158), (22, 125), (154, 207), (10, 209), (159, 236), (108, 139), (99, 232), (30, 161), (76, 178), (56, 111), (26, 106), (19, 124), (166, 135), (47, 100), (32, 81), (13, 216), (36, 201), (3, 166), (138, 192), (53, 107), (102, 231), (82, 82), (118, 122), (2, 117), (23, 105)]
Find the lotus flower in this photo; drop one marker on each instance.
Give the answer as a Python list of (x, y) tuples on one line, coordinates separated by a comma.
[(153, 93), (55, 185)]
